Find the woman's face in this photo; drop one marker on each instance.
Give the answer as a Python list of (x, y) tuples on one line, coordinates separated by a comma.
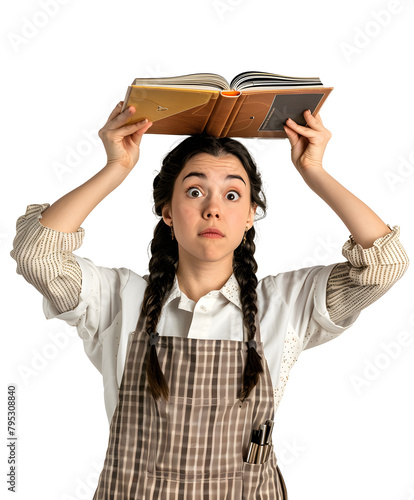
[(209, 199)]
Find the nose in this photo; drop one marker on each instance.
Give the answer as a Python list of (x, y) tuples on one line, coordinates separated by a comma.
[(211, 211), (212, 208)]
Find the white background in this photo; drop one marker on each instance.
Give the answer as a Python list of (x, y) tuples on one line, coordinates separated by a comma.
[(67, 64)]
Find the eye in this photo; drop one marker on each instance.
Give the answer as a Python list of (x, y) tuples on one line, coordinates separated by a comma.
[(234, 191), (192, 189)]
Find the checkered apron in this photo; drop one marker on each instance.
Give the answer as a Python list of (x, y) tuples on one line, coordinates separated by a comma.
[(195, 445)]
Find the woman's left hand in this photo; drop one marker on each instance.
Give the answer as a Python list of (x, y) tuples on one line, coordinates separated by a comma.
[(308, 143)]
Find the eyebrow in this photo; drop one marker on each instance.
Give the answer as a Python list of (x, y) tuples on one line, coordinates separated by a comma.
[(203, 176)]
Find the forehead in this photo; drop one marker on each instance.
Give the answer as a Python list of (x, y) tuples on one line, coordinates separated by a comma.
[(205, 162)]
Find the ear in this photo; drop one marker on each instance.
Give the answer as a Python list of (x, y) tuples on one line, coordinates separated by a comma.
[(250, 220), (166, 214)]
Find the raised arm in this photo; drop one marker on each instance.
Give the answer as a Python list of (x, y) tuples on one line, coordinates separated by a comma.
[(308, 146), (376, 257), (43, 249), (122, 148)]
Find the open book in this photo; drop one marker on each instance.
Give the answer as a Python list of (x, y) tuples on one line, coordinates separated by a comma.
[(253, 104)]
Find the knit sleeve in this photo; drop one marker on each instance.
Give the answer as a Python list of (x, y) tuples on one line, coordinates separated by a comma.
[(44, 258), (366, 276)]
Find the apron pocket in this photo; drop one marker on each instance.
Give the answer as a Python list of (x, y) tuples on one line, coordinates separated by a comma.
[(196, 439), (262, 478)]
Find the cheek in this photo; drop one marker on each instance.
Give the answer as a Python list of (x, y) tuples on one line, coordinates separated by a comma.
[(238, 218), (186, 211), (180, 206), (185, 217)]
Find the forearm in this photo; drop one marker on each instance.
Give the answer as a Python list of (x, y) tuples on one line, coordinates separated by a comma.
[(364, 225), (68, 213)]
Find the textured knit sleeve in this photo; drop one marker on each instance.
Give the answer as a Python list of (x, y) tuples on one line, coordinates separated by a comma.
[(366, 276), (45, 260)]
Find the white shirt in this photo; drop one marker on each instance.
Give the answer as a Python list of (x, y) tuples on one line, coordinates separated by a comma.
[(291, 310)]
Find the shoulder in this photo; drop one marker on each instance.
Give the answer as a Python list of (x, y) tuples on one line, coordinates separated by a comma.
[(110, 280), (290, 284)]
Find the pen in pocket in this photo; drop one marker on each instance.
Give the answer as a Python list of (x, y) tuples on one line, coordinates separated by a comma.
[(269, 424), (251, 456), (260, 443), (261, 448)]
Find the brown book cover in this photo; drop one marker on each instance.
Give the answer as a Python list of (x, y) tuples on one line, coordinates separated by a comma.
[(253, 104)]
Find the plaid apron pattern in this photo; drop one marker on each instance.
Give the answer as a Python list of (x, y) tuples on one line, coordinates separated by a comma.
[(195, 445)]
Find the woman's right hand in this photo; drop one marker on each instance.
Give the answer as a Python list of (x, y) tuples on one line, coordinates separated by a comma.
[(122, 141)]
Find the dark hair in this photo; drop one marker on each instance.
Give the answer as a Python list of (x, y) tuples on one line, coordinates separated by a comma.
[(164, 250)]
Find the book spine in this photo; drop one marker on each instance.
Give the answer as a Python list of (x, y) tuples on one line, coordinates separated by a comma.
[(233, 114), (125, 104), (221, 114)]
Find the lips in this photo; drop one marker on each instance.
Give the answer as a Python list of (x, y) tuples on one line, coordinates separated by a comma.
[(212, 230)]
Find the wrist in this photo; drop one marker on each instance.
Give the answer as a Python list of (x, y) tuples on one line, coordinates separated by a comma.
[(317, 178), (113, 174), (117, 169), (312, 172)]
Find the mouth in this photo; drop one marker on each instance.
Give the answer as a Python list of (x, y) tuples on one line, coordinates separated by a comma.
[(210, 233)]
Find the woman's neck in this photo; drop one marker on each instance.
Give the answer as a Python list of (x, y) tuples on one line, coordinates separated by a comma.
[(196, 283)]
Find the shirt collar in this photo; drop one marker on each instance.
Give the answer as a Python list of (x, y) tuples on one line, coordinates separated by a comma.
[(230, 290)]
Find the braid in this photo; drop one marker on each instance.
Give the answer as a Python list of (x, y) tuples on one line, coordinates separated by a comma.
[(161, 278), (164, 250), (245, 267)]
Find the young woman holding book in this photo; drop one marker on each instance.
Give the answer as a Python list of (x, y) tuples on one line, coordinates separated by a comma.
[(195, 355)]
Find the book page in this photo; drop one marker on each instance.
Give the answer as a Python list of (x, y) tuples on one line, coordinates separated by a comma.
[(251, 79), (184, 86), (209, 81)]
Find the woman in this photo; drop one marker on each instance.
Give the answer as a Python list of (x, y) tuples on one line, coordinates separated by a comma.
[(187, 376)]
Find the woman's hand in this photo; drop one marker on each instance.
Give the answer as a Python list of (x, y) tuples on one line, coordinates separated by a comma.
[(122, 141), (308, 143)]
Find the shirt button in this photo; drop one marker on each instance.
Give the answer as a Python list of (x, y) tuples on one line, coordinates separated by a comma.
[(203, 308)]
